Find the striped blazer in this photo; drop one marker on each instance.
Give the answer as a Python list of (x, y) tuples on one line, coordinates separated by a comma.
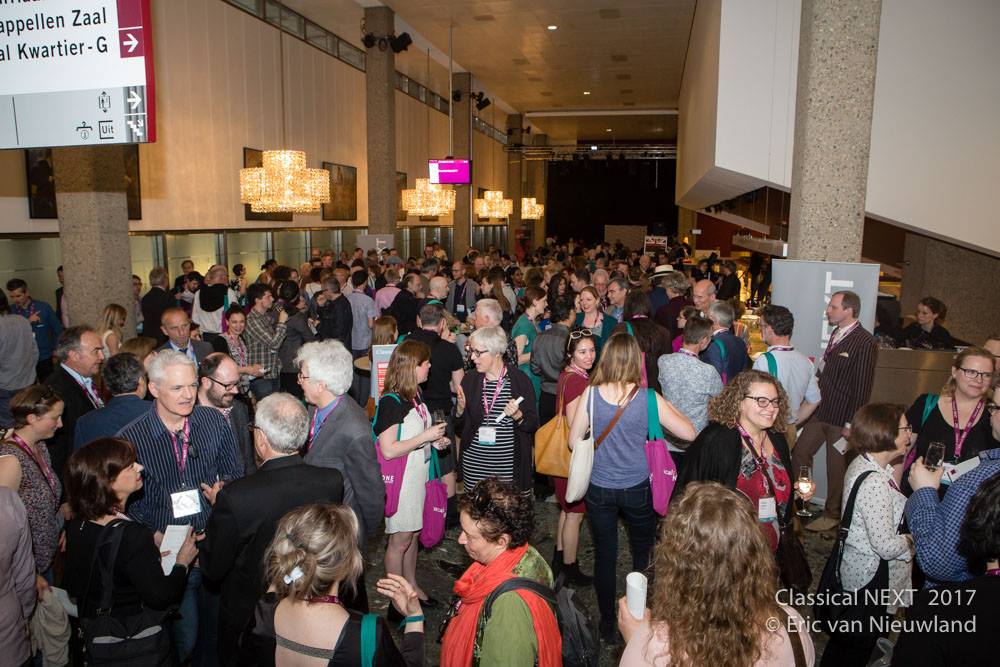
[(847, 377)]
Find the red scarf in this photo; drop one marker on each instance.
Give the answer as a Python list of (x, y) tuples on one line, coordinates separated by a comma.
[(474, 587)]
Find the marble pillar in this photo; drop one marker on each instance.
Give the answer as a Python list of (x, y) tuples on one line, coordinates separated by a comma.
[(93, 232), (835, 91), (380, 85), (462, 149), (515, 188)]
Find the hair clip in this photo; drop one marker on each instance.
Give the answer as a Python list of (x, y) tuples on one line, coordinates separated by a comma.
[(294, 575)]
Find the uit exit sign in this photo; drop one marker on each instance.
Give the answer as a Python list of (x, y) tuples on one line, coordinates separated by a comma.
[(76, 73)]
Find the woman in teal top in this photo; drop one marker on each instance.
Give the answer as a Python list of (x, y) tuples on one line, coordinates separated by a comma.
[(591, 317), (526, 330)]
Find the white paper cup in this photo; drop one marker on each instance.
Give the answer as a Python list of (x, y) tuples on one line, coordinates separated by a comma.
[(635, 594)]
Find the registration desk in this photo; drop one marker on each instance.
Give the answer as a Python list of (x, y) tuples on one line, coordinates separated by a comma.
[(902, 375)]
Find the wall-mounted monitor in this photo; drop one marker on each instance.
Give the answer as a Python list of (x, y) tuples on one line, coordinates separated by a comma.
[(455, 172)]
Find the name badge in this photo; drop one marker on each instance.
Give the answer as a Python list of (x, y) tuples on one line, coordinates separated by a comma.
[(487, 435), (953, 471), (767, 510), (460, 308), (185, 503)]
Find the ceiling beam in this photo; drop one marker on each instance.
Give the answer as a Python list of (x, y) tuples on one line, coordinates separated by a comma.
[(600, 112)]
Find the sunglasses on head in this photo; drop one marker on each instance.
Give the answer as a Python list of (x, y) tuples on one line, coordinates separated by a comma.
[(580, 333)]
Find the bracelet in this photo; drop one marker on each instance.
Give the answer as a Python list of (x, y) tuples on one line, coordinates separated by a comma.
[(410, 619)]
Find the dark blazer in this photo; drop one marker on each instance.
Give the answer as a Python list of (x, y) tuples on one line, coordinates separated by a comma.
[(668, 314), (153, 303), (241, 528), (653, 340), (345, 442), (239, 420), (847, 377), (737, 360), (729, 287), (201, 348), (404, 308), (76, 404), (715, 456), (116, 414), (520, 385)]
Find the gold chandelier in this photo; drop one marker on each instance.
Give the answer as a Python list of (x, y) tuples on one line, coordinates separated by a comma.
[(493, 205), (428, 199), (531, 210), (284, 184)]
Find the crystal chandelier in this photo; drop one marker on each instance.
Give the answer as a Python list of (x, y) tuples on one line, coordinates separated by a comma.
[(284, 184), (493, 205), (428, 199), (530, 210)]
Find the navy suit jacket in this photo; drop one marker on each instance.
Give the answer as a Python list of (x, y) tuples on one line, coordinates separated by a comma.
[(119, 412), (736, 358)]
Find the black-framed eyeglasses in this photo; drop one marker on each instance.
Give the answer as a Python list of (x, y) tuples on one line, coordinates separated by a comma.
[(763, 401), (908, 428), (228, 386), (475, 354), (580, 333), (991, 409), (973, 374)]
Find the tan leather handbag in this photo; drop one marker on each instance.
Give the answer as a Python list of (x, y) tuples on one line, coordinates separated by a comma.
[(552, 440)]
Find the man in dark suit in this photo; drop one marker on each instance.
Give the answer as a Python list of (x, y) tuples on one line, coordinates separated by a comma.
[(154, 302), (847, 373), (219, 387), (727, 353), (80, 354), (245, 513), (176, 325), (125, 378)]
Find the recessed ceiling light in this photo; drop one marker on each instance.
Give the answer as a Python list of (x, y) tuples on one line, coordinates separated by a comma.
[(608, 130), (593, 148), (553, 27), (657, 129), (586, 92)]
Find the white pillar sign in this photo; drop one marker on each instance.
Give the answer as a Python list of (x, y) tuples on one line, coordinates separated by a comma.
[(75, 73)]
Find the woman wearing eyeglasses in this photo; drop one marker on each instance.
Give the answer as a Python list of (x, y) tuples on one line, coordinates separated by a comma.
[(957, 418), (741, 449), (501, 419)]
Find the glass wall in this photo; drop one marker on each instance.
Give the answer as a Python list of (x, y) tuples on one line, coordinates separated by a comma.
[(290, 248), (33, 260), (483, 236), (199, 248), (248, 249), (325, 239), (143, 248)]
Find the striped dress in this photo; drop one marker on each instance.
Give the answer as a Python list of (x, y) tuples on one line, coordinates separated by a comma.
[(491, 459)]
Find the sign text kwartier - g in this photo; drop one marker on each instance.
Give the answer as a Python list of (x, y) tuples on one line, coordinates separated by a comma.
[(76, 73)]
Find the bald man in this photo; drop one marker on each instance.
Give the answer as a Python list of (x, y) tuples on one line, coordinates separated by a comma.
[(703, 296)]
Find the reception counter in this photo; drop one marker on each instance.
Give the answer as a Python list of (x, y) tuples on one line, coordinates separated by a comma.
[(902, 375)]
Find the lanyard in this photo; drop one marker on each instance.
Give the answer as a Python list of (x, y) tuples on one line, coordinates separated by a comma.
[(780, 348), (238, 349), (38, 461), (460, 293), (573, 368), (688, 353), (995, 572), (181, 450), (421, 409), (888, 475), (496, 392), (95, 400), (313, 430), (758, 459), (962, 433), (837, 338)]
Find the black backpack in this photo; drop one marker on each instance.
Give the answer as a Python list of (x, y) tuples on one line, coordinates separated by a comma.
[(580, 646)]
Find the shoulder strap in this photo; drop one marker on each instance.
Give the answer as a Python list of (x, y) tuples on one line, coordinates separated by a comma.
[(930, 402), (399, 427), (722, 348), (614, 420), (794, 638), (560, 395), (845, 520), (653, 416), (772, 364), (513, 584), (110, 536), (628, 327), (368, 627)]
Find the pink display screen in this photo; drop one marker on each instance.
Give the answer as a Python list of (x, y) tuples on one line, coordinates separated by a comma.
[(450, 171)]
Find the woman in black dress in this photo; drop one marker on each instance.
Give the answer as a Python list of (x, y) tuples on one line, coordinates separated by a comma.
[(927, 332)]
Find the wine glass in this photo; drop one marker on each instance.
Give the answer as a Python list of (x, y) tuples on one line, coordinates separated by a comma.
[(439, 417), (804, 484)]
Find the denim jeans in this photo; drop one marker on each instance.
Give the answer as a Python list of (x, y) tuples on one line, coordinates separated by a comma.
[(603, 507), (196, 631)]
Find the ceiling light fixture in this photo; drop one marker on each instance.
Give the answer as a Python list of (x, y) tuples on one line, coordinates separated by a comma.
[(608, 129), (428, 198), (553, 27), (493, 204), (586, 92), (530, 209)]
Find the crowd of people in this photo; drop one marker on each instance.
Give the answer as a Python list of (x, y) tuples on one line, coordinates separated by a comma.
[(203, 493)]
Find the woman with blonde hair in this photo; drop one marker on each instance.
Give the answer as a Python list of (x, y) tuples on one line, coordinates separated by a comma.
[(403, 428), (313, 557), (714, 592), (112, 322), (591, 317)]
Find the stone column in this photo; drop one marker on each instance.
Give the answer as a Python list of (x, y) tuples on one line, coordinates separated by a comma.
[(835, 91), (515, 139), (380, 85), (462, 147), (93, 232), (536, 174)]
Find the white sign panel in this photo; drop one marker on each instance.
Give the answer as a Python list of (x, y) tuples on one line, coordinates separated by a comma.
[(76, 72), (375, 241)]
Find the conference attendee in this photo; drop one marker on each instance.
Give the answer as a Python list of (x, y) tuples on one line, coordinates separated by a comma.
[(176, 325), (726, 352), (187, 266), (525, 331), (363, 314), (406, 304), (591, 317), (263, 336), (616, 293), (688, 382), (599, 281), (243, 519), (387, 294), (498, 431), (935, 523), (703, 296), (26, 468), (80, 355), (676, 285), (18, 358), (340, 434), (461, 293), (188, 453), (880, 434), (616, 409), (754, 269), (489, 313), (847, 373), (704, 270), (110, 331), (650, 336), (658, 297), (558, 286), (17, 572), (729, 284), (578, 280), (45, 326), (142, 347), (219, 388), (497, 521), (992, 345), (310, 568), (927, 333), (493, 285), (60, 291), (101, 476), (157, 300), (212, 301), (794, 370), (548, 355), (299, 330), (732, 617), (125, 379), (333, 310), (236, 324), (932, 638), (185, 298)]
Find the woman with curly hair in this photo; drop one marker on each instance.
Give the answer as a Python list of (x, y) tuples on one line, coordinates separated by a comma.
[(521, 629), (741, 449), (726, 614)]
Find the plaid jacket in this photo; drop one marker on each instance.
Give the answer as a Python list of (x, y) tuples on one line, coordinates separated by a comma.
[(263, 338)]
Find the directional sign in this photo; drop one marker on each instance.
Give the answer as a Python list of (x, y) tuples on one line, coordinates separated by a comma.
[(75, 73)]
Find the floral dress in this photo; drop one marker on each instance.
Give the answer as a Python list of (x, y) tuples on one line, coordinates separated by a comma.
[(755, 483)]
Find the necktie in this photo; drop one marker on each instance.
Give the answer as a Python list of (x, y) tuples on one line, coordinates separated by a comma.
[(184, 351)]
